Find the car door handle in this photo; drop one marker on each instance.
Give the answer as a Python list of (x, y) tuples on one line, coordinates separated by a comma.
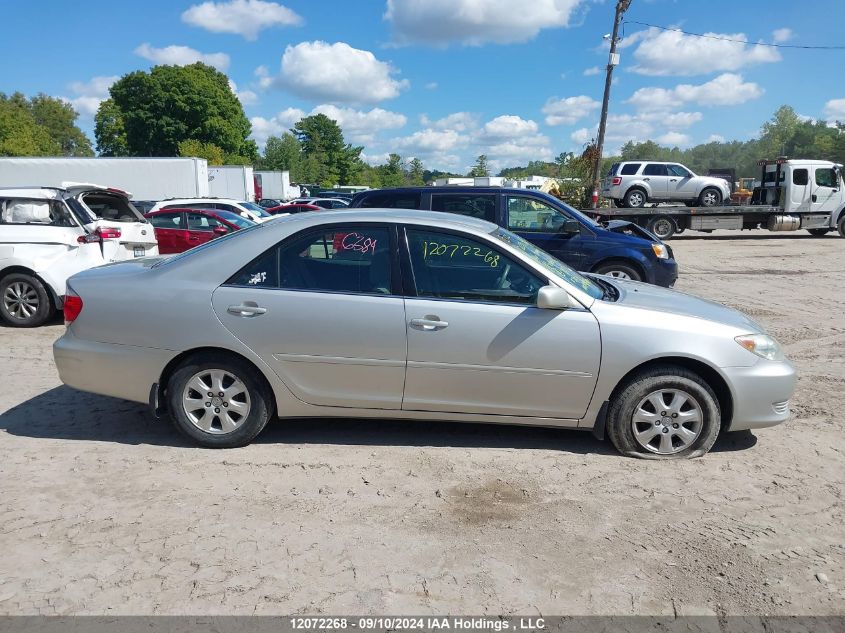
[(673, 180), (429, 323), (646, 178), (246, 310)]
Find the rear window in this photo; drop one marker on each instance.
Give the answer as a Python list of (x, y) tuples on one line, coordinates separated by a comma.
[(482, 206), (800, 177), (392, 200), (614, 169), (630, 169), (111, 208)]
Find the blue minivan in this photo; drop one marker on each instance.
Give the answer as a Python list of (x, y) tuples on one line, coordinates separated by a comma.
[(617, 248)]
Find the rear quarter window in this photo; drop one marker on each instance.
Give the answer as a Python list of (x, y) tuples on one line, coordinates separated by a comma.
[(630, 169), (482, 206)]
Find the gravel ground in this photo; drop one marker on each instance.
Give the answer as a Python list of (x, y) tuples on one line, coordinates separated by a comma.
[(105, 511)]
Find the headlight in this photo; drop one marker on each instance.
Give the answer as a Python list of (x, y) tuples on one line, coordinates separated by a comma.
[(660, 250), (761, 344)]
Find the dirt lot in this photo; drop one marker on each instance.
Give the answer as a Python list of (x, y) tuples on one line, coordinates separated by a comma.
[(105, 511)]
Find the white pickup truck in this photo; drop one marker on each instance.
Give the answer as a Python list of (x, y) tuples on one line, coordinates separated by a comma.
[(794, 194)]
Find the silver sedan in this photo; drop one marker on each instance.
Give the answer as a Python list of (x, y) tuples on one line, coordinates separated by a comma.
[(414, 315)]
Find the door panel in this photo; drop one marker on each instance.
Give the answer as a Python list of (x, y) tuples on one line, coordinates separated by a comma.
[(680, 183), (826, 190), (330, 349), (658, 180), (501, 359)]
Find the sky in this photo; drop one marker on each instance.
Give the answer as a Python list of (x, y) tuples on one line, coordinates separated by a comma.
[(447, 80)]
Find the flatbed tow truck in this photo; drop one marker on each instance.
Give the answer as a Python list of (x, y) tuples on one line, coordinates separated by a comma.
[(794, 195)]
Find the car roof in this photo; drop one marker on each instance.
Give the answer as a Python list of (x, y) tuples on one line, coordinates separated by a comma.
[(447, 189), (409, 216)]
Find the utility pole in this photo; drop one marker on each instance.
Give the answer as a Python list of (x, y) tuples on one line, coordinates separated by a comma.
[(612, 61)]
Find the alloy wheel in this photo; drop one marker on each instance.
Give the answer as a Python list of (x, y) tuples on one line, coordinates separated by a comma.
[(710, 199), (216, 401), (667, 421), (20, 300), (618, 274)]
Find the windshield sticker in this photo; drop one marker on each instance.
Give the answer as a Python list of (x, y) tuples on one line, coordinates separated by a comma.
[(435, 249), (257, 278)]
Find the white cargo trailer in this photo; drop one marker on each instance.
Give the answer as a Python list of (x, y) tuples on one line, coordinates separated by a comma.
[(144, 178), (276, 185), (231, 181)]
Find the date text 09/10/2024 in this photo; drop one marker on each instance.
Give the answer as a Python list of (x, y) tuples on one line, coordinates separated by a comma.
[(418, 623)]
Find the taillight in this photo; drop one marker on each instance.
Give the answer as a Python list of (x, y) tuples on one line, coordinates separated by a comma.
[(72, 307), (101, 233), (617, 180)]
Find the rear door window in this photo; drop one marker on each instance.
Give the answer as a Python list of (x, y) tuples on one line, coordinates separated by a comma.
[(653, 169), (800, 177), (166, 220), (392, 200), (481, 206), (35, 212), (630, 169)]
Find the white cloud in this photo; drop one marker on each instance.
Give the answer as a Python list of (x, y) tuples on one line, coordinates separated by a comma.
[(335, 72), (427, 141), (594, 70), (673, 120), (241, 17), (246, 97), (779, 36), (358, 126), (726, 89), (834, 110), (715, 138), (182, 56), (674, 53), (568, 111), (507, 127), (474, 22), (582, 136), (89, 94), (458, 121), (673, 139), (432, 85)]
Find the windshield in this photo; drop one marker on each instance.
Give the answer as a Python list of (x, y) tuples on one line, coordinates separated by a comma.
[(257, 210), (539, 256), (233, 218)]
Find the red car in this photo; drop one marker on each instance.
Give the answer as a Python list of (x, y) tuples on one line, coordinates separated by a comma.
[(293, 208), (178, 230)]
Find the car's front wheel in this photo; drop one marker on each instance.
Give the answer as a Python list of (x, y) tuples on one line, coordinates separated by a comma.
[(24, 301), (664, 413), (219, 401), (619, 269)]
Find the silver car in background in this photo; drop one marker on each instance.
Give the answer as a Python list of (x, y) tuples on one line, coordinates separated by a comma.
[(632, 184), (414, 315)]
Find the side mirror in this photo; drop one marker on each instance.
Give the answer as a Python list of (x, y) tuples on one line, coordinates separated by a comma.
[(220, 230), (554, 298), (570, 227)]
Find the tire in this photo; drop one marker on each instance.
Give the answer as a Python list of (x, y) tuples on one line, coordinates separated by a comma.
[(635, 198), (240, 415), (618, 204), (691, 203), (710, 197), (24, 301), (619, 269), (662, 226), (840, 226), (634, 406), (818, 232)]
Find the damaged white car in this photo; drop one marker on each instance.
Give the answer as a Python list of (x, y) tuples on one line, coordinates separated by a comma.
[(48, 234)]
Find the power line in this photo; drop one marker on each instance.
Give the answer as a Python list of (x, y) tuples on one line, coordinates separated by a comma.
[(727, 39)]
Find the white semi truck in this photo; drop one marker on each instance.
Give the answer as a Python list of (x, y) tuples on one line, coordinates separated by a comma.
[(145, 178), (236, 182), (794, 194)]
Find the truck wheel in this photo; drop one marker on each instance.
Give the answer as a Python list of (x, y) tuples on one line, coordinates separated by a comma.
[(665, 412), (840, 226), (662, 226), (618, 269), (818, 232), (635, 198), (24, 301), (710, 197)]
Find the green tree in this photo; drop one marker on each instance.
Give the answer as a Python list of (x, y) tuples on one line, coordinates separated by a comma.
[(59, 119), (326, 157), (41, 126), (209, 151), (282, 153), (416, 172), (392, 172), (171, 104), (480, 169), (109, 130)]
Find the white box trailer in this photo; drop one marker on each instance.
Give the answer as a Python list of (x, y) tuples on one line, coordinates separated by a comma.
[(143, 178), (236, 182), (275, 185)]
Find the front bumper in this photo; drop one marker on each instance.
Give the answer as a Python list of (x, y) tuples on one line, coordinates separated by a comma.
[(664, 272), (761, 393)]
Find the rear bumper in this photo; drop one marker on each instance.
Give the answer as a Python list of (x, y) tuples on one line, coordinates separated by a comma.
[(761, 394), (120, 371)]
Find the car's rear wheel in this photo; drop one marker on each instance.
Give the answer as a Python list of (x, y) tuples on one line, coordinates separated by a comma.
[(24, 301), (710, 197), (818, 232), (219, 402), (663, 227), (635, 198), (619, 269), (840, 226), (664, 413)]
